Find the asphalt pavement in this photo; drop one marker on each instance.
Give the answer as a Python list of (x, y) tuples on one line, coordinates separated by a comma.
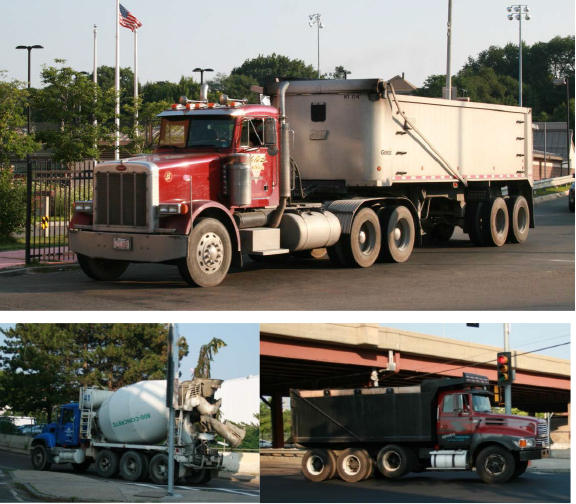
[(536, 275), (20, 483), (282, 481)]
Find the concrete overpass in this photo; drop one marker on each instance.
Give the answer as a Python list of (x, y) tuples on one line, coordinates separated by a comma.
[(343, 355)]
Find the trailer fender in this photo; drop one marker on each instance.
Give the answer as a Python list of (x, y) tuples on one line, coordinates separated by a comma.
[(208, 208)]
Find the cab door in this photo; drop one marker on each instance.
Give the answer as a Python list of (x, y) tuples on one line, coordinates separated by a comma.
[(263, 165), (66, 431), (455, 425)]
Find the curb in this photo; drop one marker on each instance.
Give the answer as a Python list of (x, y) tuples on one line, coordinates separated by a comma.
[(547, 197)]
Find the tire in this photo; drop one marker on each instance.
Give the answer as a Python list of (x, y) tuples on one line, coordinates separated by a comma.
[(474, 222), (362, 246), (398, 234), (495, 222), (495, 464), (104, 270), (146, 467), (336, 255), (107, 464), (394, 461), (442, 232), (198, 477), (519, 216), (132, 467), (353, 464), (521, 467), (319, 465), (209, 254), (371, 468), (83, 467), (40, 459), (159, 469)]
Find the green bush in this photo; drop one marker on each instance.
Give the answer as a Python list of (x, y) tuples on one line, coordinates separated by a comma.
[(12, 203)]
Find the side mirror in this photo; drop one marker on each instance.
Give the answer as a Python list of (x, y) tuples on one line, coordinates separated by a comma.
[(270, 137)]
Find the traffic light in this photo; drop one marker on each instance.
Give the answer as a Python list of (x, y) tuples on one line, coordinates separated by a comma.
[(472, 325), (498, 399), (504, 366)]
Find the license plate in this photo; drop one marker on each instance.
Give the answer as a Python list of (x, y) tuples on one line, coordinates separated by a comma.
[(121, 244)]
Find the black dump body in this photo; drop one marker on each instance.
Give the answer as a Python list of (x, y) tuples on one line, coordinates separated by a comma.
[(370, 415)]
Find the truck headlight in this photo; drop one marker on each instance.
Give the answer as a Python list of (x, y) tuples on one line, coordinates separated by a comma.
[(172, 209), (525, 443), (83, 206)]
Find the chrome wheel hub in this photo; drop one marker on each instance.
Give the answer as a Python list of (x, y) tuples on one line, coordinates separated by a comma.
[(210, 253)]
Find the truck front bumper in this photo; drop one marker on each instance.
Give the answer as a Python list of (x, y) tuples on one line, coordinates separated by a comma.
[(143, 247), (534, 454)]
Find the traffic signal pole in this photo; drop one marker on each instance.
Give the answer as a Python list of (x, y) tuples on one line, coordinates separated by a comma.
[(508, 386)]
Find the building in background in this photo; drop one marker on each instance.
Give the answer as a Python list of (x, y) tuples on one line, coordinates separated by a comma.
[(550, 147), (240, 399)]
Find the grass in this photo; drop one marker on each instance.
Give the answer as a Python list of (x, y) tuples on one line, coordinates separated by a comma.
[(12, 244), (551, 190), (41, 242)]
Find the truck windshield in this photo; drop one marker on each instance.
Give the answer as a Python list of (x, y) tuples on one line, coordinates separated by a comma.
[(200, 131), (481, 404)]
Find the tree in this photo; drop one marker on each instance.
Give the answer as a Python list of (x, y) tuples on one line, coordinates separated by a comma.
[(206, 356), (266, 422), (14, 142), (12, 203), (45, 364), (339, 73), (73, 101), (139, 133), (266, 68)]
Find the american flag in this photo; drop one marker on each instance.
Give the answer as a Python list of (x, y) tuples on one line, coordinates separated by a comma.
[(128, 20)]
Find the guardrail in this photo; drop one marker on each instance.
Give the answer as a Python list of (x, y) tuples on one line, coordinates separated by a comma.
[(282, 452), (553, 182)]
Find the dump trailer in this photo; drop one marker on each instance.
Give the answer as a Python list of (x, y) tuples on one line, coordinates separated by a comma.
[(125, 431), (444, 424), (343, 166)]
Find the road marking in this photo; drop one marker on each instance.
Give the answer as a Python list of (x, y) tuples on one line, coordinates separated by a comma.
[(195, 489), (16, 496), (561, 260)]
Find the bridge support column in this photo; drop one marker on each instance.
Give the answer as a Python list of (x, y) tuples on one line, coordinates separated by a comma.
[(277, 421)]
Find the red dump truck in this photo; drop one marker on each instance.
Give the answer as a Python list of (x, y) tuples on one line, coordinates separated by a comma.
[(360, 171), (440, 425)]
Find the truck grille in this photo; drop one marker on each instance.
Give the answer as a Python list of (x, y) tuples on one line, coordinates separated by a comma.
[(121, 199), (542, 439)]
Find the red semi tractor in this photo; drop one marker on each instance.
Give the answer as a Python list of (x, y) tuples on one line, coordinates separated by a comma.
[(363, 172)]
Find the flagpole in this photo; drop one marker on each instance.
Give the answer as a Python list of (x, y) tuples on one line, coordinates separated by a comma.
[(136, 82), (95, 75), (117, 84)]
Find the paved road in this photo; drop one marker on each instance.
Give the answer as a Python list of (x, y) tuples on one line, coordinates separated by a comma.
[(283, 482), (538, 275), (218, 490)]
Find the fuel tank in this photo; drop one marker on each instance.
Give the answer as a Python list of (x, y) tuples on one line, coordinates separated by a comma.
[(308, 229)]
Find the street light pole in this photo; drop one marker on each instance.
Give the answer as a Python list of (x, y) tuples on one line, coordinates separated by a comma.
[(202, 70), (448, 56), (28, 161), (517, 9), (316, 19)]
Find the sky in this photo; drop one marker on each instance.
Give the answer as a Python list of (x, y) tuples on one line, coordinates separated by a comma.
[(523, 337), (240, 358), (370, 38)]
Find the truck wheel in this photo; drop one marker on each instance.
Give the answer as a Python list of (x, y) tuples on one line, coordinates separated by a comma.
[(371, 468), (353, 464), (495, 465), (474, 222), (495, 222), (362, 246), (319, 464), (398, 234), (521, 467), (159, 469), (198, 477), (40, 458), (101, 269), (519, 216), (107, 464), (83, 467), (394, 461), (132, 466), (209, 254)]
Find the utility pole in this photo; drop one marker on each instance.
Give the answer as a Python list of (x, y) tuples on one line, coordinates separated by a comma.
[(448, 56)]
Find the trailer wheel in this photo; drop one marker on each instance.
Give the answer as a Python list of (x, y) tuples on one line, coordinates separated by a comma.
[(82, 467), (521, 467), (319, 465), (361, 247), (398, 234), (371, 468), (101, 269), (495, 465), (474, 223), (159, 469), (353, 464), (40, 458), (495, 222), (132, 466), (107, 464), (394, 461), (209, 254), (519, 216), (198, 477)]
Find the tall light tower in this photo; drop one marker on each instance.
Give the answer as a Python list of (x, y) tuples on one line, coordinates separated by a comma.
[(316, 19), (516, 12), (448, 55)]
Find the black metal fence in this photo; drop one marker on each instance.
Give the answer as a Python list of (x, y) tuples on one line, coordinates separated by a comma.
[(55, 188)]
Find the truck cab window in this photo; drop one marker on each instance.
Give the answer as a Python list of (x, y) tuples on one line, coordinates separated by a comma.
[(252, 133), (67, 416), (173, 133), (455, 403), (210, 131)]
